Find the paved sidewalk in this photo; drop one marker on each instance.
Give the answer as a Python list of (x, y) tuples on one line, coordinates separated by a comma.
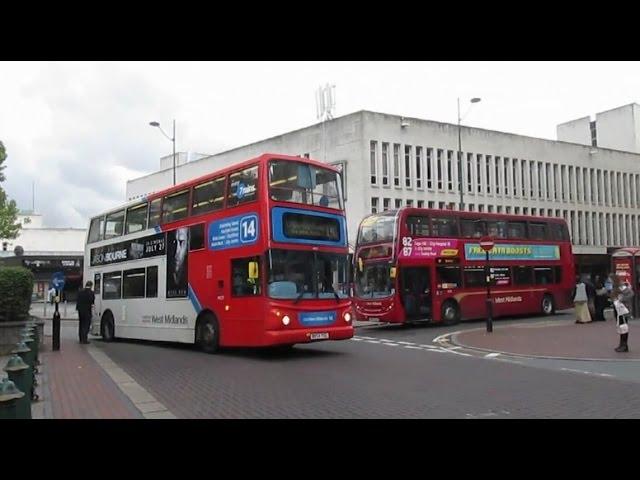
[(554, 339), (81, 382)]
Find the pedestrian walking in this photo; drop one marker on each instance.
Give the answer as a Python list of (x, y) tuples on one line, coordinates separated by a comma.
[(84, 306), (622, 295), (608, 283), (602, 299), (580, 300)]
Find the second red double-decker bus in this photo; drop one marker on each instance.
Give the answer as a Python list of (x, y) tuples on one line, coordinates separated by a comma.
[(417, 264), (254, 254)]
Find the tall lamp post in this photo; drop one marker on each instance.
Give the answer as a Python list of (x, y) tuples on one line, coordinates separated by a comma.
[(487, 244), (173, 140), (460, 173)]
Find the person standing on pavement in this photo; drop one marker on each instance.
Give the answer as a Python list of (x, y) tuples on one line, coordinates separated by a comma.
[(580, 300), (84, 306), (622, 295), (602, 299)]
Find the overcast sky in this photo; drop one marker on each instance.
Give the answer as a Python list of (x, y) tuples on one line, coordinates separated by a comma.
[(80, 129)]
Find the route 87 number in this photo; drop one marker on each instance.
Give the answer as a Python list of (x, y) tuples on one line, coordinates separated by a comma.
[(406, 246)]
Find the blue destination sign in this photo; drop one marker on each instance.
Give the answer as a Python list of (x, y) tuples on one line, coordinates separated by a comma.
[(316, 319), (234, 232), (506, 251)]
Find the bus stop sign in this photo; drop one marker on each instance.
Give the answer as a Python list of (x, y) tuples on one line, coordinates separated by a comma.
[(58, 280), (487, 244)]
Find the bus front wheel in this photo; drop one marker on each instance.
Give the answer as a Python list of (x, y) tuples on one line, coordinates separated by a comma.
[(208, 334), (548, 307), (450, 313), (107, 327)]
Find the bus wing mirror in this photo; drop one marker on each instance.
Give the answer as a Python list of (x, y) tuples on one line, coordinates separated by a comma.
[(253, 270), (392, 272)]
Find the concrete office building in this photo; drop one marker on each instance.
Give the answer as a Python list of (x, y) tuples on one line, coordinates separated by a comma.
[(590, 176)]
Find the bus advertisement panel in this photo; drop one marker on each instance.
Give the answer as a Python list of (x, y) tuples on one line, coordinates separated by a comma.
[(427, 265), (252, 255)]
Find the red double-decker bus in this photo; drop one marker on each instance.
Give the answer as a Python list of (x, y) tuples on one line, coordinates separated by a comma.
[(252, 255), (416, 264)]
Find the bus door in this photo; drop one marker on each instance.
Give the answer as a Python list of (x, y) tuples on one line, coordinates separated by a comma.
[(97, 291), (416, 292)]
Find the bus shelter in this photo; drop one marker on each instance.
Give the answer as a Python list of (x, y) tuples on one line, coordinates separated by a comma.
[(625, 263)]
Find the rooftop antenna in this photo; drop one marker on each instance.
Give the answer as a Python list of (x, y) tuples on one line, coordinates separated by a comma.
[(325, 106)]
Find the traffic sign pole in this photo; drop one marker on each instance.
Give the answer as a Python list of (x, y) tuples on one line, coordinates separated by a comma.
[(487, 245)]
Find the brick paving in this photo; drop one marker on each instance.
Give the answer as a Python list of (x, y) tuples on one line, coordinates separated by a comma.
[(79, 388), (558, 339)]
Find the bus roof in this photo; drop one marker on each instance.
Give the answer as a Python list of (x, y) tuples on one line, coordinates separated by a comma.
[(223, 171), (466, 214)]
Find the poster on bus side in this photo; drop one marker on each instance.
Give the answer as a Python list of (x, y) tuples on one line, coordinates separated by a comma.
[(177, 262)]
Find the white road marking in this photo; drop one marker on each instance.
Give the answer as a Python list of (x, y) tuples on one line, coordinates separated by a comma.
[(491, 355), (356, 339), (406, 343), (389, 344), (372, 341), (413, 347)]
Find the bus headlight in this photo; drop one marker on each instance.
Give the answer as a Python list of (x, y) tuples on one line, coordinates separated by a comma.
[(347, 317), (286, 320)]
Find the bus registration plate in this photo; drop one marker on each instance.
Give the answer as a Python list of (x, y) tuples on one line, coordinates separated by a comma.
[(319, 336)]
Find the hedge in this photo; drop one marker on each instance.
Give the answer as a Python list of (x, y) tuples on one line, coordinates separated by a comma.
[(16, 287)]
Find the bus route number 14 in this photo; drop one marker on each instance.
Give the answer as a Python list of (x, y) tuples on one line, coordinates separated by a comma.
[(249, 229), (406, 246)]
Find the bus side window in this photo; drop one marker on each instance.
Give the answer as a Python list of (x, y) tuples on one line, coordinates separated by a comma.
[(241, 284)]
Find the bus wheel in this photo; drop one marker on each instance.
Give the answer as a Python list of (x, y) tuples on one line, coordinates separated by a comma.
[(107, 327), (548, 307), (450, 313), (208, 338)]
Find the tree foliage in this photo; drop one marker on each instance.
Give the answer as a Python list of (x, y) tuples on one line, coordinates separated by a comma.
[(8, 209)]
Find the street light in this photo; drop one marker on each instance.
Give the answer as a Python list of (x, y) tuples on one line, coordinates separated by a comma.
[(460, 175), (487, 244), (173, 140)]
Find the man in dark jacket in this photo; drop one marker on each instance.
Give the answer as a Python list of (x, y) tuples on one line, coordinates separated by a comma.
[(84, 304)]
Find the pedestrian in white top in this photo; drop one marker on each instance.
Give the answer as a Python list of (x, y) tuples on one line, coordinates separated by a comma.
[(580, 300)]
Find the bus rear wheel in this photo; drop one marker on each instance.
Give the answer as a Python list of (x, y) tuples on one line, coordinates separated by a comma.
[(208, 334), (107, 327), (548, 307), (450, 313)]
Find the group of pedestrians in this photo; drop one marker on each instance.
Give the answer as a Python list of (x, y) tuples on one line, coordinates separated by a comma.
[(591, 298)]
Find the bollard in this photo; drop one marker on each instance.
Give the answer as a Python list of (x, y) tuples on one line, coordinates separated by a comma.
[(30, 342), (8, 396), (19, 373), (25, 353), (55, 340), (35, 346)]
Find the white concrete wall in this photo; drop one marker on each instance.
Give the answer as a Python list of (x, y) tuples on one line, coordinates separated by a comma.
[(619, 128), (58, 240), (575, 131)]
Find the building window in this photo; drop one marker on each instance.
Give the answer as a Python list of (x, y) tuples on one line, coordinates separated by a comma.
[(385, 163), (471, 207), (418, 167), (429, 173), (592, 185), (469, 172), (480, 208), (431, 204), (487, 163), (547, 175), (571, 183), (439, 167), (496, 161), (505, 170), (479, 172), (594, 137), (409, 203), (523, 177), (373, 162), (579, 184), (516, 210), (539, 172), (374, 205), (450, 169), (407, 166), (442, 205), (386, 204), (420, 203), (398, 203)]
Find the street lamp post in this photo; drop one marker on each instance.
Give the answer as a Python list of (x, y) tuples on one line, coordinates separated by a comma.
[(487, 245), (460, 172), (173, 140)]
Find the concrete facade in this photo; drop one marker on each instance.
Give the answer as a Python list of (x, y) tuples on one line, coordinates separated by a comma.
[(390, 161)]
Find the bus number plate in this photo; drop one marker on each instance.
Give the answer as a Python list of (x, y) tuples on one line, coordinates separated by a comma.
[(320, 336)]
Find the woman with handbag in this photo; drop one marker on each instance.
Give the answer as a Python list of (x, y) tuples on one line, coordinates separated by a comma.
[(622, 295), (580, 300)]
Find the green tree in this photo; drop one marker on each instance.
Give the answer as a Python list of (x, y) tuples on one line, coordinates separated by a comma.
[(8, 209)]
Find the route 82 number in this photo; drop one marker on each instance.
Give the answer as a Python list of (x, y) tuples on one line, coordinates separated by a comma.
[(406, 246)]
